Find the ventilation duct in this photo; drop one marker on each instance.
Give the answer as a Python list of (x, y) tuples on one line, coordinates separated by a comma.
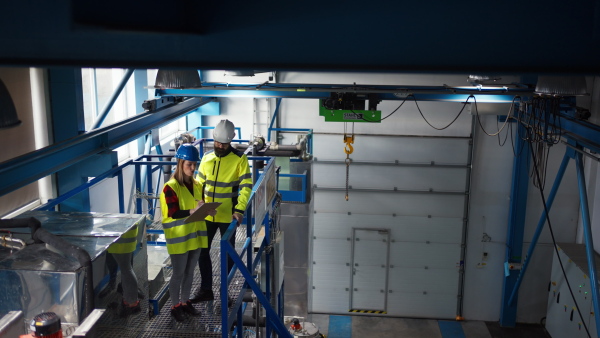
[(561, 85), (177, 79), (8, 112)]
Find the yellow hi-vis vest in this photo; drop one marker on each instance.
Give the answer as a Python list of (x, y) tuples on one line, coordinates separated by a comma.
[(227, 180), (126, 243), (181, 237)]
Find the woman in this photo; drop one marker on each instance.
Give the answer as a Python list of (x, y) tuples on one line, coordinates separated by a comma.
[(181, 197)]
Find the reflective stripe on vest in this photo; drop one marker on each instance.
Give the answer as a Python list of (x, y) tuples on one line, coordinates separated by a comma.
[(187, 237), (126, 243), (223, 184)]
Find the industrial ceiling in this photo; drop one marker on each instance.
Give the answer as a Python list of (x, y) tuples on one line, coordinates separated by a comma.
[(383, 36)]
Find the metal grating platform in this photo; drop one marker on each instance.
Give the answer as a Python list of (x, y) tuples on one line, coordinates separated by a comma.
[(162, 325)]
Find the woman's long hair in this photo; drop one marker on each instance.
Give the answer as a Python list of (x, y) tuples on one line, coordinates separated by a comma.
[(178, 175)]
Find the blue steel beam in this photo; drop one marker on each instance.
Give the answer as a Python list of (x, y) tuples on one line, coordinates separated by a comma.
[(541, 222), (20, 171), (366, 88), (273, 119), (584, 133), (516, 225), (315, 91)]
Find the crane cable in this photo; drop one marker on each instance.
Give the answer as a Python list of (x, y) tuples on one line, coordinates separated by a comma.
[(348, 140)]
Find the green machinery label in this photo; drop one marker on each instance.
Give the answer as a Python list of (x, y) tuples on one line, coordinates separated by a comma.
[(340, 115)]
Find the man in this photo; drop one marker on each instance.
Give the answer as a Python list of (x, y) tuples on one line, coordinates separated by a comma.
[(226, 178)]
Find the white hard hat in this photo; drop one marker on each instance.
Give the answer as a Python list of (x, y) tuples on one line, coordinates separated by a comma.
[(224, 132)]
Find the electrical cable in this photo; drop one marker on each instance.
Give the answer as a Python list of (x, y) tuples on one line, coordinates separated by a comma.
[(502, 143), (510, 110), (537, 176), (546, 166), (519, 122), (456, 118), (539, 150), (392, 113)]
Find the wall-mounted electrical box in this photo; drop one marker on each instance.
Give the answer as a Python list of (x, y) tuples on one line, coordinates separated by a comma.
[(562, 316)]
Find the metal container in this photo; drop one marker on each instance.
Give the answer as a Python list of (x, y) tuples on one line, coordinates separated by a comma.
[(40, 278)]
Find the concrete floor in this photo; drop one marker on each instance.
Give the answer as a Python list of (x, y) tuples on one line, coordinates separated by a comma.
[(383, 327)]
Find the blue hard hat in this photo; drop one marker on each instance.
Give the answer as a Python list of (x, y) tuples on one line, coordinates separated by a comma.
[(188, 152)]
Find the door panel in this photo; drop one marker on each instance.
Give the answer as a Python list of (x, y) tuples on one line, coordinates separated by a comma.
[(370, 251), (415, 272)]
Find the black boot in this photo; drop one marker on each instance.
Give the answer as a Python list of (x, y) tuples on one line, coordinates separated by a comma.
[(177, 312), (129, 309), (189, 308), (202, 296)]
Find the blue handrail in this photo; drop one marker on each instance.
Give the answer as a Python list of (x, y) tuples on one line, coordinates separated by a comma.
[(293, 195), (274, 320), (228, 251)]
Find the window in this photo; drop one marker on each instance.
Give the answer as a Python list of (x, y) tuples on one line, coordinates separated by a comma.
[(99, 86)]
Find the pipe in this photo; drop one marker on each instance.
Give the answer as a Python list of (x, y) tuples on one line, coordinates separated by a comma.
[(291, 152), (298, 146), (249, 321), (30, 222), (40, 235), (275, 146), (8, 242)]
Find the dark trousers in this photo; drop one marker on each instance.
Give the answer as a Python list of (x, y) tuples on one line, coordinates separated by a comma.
[(205, 263)]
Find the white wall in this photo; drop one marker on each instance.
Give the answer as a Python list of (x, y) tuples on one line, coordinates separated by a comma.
[(18, 140), (591, 166)]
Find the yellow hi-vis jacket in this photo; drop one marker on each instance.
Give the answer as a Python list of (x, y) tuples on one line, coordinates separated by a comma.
[(126, 243), (181, 237), (227, 180)]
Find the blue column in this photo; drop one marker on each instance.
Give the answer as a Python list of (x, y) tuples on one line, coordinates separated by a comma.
[(516, 225), (542, 221), (66, 103), (587, 234), (121, 191), (140, 78), (273, 119)]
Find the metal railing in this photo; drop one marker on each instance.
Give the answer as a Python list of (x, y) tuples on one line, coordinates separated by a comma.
[(274, 318)]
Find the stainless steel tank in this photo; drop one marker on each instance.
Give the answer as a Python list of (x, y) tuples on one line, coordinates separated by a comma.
[(41, 278)]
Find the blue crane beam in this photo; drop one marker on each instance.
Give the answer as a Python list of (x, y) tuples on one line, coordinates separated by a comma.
[(20, 171), (322, 91)]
